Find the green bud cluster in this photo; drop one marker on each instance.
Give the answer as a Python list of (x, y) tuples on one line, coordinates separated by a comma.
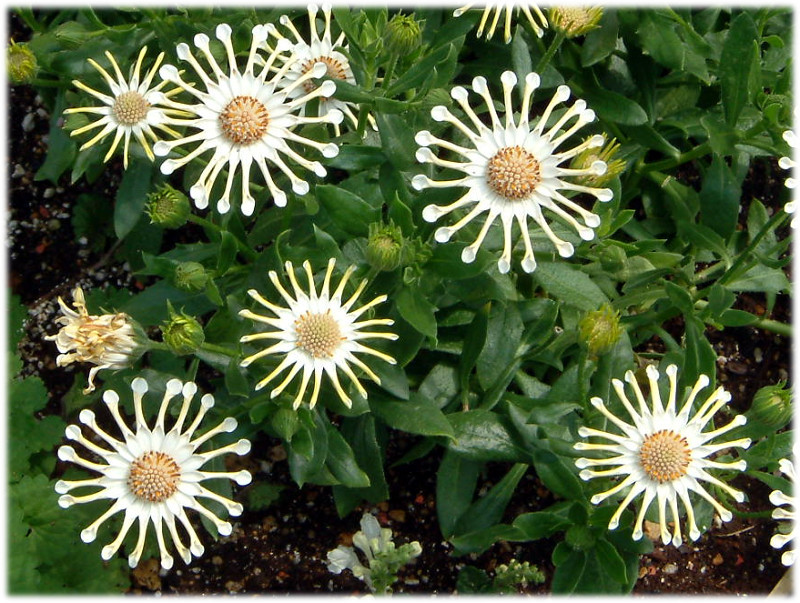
[(402, 35), (387, 562), (167, 207), (509, 577), (190, 276), (600, 330), (182, 333), (21, 63)]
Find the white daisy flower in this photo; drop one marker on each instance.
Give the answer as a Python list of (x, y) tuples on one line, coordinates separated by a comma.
[(664, 455), (244, 119), (513, 169), (319, 49), (153, 475), (318, 333), (788, 163), (108, 341), (498, 6), (131, 108), (778, 498)]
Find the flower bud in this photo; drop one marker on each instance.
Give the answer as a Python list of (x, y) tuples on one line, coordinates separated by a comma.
[(385, 246), (182, 333), (772, 406), (402, 35), (190, 276), (167, 207), (574, 21), (600, 330), (21, 63), (606, 154)]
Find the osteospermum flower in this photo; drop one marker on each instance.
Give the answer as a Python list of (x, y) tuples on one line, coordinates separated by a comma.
[(513, 169), (131, 108), (779, 499), (788, 163), (244, 119), (664, 454), (108, 341), (498, 6), (318, 333), (153, 475), (319, 49)]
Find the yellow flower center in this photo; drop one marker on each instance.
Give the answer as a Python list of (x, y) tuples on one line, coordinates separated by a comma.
[(130, 108), (244, 120), (154, 476), (665, 456), (318, 334), (335, 70), (513, 173)]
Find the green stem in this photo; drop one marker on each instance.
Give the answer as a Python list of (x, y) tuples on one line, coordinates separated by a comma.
[(40, 83), (767, 324), (218, 349), (554, 46), (387, 75), (668, 164)]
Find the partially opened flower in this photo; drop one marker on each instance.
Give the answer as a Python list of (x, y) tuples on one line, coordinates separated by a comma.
[(498, 6), (788, 163), (245, 119), (108, 341), (664, 455), (513, 170), (153, 475), (779, 499), (317, 333), (132, 108), (319, 49)]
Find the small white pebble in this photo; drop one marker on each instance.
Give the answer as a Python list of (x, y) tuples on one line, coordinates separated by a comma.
[(19, 171), (758, 355), (49, 192), (27, 122)]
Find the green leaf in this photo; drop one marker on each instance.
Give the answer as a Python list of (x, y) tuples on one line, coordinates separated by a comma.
[(309, 447), (503, 335), (473, 581), (480, 540), (541, 524), (417, 311), (417, 415), (342, 462), (555, 474), (455, 482), (719, 198), (262, 494), (360, 434), (569, 285), (131, 196), (487, 511), (737, 59), (614, 107), (397, 140), (474, 339), (61, 148), (600, 42), (737, 318), (482, 435), (348, 211), (285, 423), (353, 157), (611, 560), (227, 252)]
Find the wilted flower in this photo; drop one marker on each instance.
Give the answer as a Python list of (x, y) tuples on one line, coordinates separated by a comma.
[(167, 207), (132, 108), (317, 333), (778, 498), (244, 119), (498, 6), (319, 49), (664, 455), (109, 341), (606, 154), (153, 475), (20, 63), (513, 170), (382, 557), (788, 163), (574, 21)]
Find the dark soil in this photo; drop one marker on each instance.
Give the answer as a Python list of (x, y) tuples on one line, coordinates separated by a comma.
[(283, 547)]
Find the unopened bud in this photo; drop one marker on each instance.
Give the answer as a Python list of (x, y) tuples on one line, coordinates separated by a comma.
[(599, 330), (402, 35), (574, 21), (607, 154), (385, 246), (772, 406), (182, 333), (190, 276), (167, 207), (21, 63)]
